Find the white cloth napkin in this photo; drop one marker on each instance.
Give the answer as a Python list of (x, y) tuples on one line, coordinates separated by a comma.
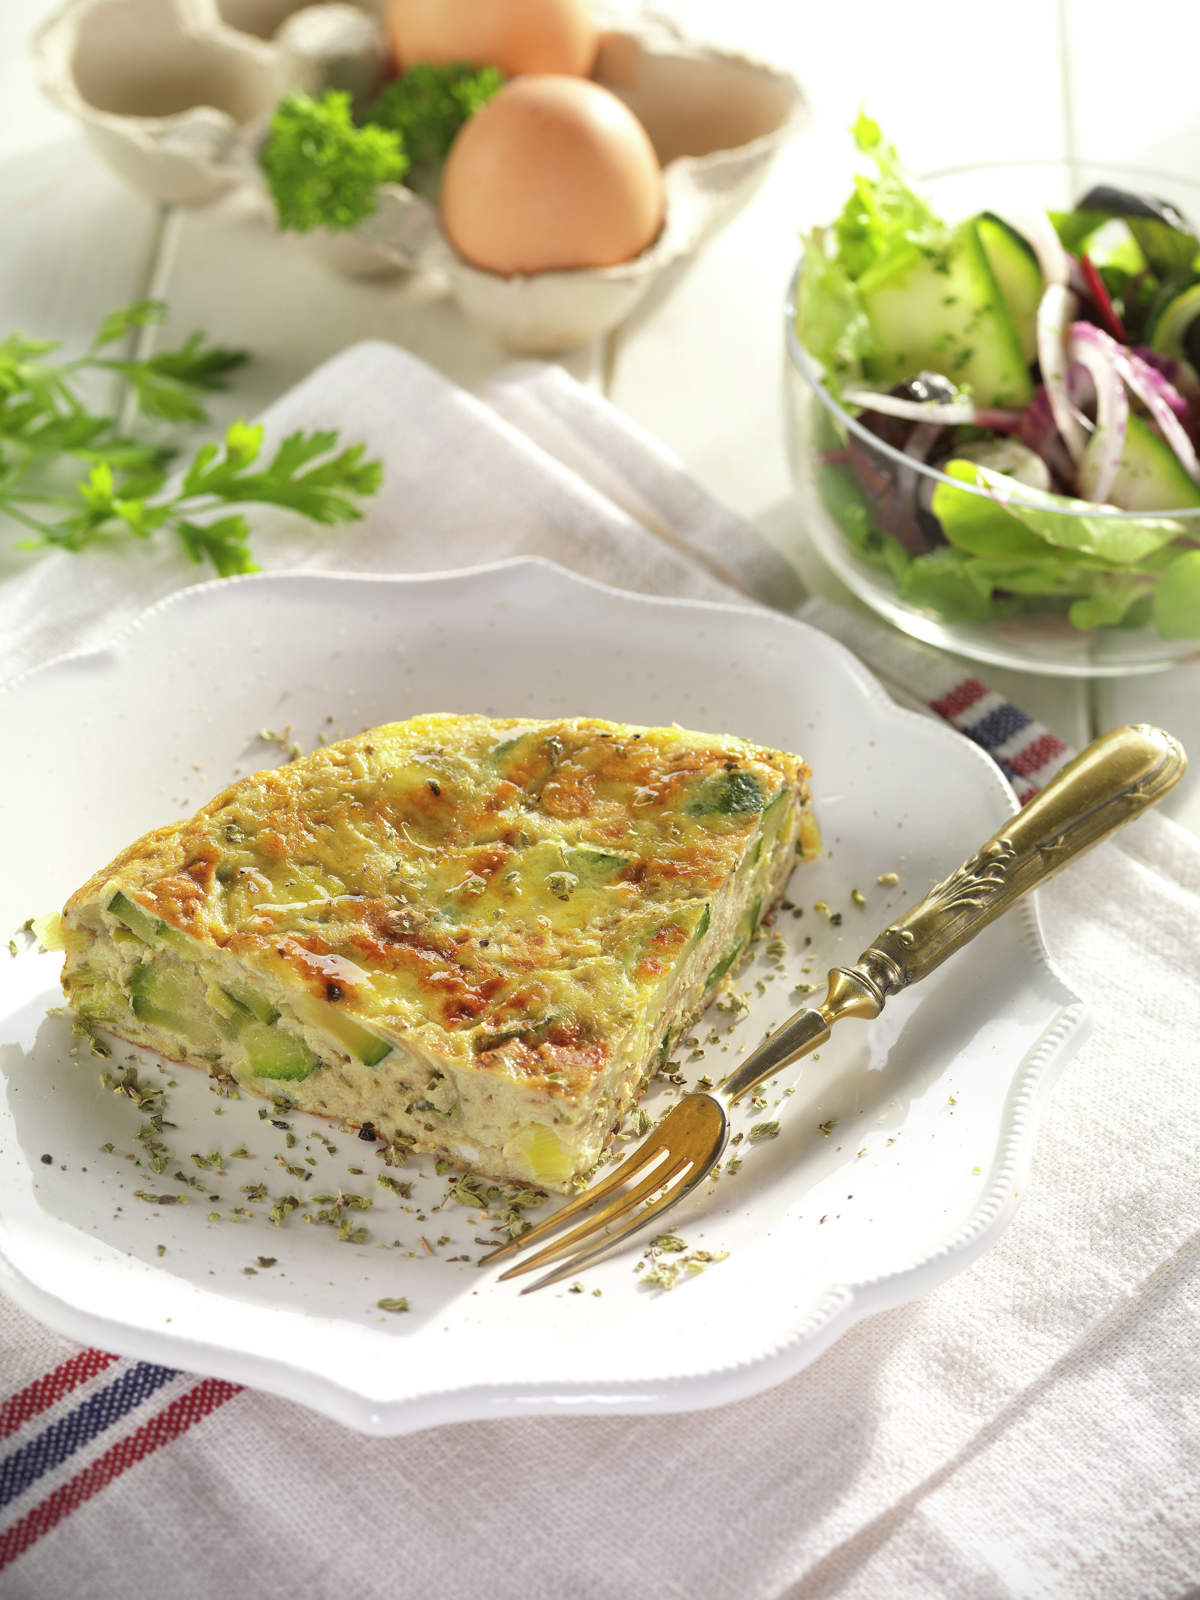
[(545, 469), (1027, 1429)]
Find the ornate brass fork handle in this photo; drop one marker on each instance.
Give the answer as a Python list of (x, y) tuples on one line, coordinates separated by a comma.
[(1114, 780)]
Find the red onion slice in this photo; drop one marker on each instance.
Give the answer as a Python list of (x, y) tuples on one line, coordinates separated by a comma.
[(1039, 432), (1055, 310), (1108, 362), (1162, 372), (1038, 232), (1181, 376), (948, 413), (1101, 460), (1146, 384)]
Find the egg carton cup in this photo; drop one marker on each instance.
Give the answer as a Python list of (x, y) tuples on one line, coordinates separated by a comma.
[(176, 95)]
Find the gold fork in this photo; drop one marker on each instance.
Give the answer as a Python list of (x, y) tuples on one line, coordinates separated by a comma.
[(1116, 778)]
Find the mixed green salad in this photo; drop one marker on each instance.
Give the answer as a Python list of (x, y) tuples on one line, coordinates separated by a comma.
[(1045, 366)]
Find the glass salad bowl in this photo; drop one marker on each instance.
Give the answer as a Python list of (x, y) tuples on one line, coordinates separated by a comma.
[(895, 527)]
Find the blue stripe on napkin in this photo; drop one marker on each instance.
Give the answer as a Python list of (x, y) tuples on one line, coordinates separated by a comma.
[(70, 1433)]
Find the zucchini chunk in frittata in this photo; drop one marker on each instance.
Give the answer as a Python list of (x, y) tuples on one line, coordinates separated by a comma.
[(477, 936)]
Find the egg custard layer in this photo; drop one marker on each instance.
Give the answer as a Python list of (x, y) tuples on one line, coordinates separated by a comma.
[(478, 936)]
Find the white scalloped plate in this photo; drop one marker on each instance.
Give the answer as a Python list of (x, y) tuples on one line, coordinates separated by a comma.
[(932, 1108)]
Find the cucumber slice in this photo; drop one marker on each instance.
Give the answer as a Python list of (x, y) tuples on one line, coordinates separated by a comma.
[(1018, 277), (1151, 476), (274, 1054), (726, 794), (369, 1047), (943, 311), (723, 966), (161, 997), (595, 866), (255, 1003), (95, 997), (356, 1039), (768, 828), (361, 1042), (1176, 332), (144, 923), (148, 928)]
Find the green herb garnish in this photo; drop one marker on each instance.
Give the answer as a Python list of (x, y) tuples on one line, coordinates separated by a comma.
[(45, 421), (323, 171), (428, 105)]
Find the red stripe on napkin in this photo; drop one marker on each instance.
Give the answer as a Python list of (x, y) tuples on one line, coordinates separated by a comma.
[(38, 1396), (1037, 754), (173, 1420), (961, 698)]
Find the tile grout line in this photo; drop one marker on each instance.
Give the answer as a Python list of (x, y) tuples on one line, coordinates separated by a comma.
[(1067, 88), (160, 259), (1091, 687)]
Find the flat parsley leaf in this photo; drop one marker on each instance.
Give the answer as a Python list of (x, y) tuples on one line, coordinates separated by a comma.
[(302, 475), (44, 421)]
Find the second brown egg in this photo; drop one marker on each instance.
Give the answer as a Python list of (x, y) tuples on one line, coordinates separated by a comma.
[(554, 173)]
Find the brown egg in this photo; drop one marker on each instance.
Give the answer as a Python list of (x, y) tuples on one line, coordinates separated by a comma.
[(517, 36), (553, 173)]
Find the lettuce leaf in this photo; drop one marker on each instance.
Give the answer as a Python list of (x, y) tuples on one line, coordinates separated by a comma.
[(884, 215), (1003, 556), (944, 582), (830, 321), (1177, 598), (993, 524), (1116, 600)]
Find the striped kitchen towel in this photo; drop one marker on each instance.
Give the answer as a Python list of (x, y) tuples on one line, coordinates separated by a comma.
[(1026, 752), (71, 1427)]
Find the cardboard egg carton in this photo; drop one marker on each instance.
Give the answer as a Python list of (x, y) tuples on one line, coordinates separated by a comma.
[(176, 95)]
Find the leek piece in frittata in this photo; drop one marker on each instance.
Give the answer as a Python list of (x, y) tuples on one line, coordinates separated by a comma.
[(479, 936)]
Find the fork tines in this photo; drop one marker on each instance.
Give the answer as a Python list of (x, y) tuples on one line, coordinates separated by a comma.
[(657, 1172)]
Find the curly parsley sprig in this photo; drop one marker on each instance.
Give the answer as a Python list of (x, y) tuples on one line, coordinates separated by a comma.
[(322, 170), (428, 105), (324, 167), (46, 422)]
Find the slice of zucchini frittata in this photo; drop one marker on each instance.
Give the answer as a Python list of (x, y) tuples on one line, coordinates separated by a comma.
[(477, 935)]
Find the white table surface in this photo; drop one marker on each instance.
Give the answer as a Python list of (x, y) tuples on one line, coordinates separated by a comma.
[(700, 362)]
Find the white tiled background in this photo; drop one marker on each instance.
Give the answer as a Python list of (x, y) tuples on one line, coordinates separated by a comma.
[(699, 364)]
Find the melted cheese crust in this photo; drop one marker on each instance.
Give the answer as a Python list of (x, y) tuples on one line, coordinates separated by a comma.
[(511, 902)]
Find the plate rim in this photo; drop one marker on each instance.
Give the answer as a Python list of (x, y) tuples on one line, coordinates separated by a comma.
[(838, 1306)]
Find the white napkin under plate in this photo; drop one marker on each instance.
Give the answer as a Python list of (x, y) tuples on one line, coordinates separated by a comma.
[(1030, 1428)]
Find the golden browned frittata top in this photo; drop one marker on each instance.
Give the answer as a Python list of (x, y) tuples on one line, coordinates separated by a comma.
[(500, 887)]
